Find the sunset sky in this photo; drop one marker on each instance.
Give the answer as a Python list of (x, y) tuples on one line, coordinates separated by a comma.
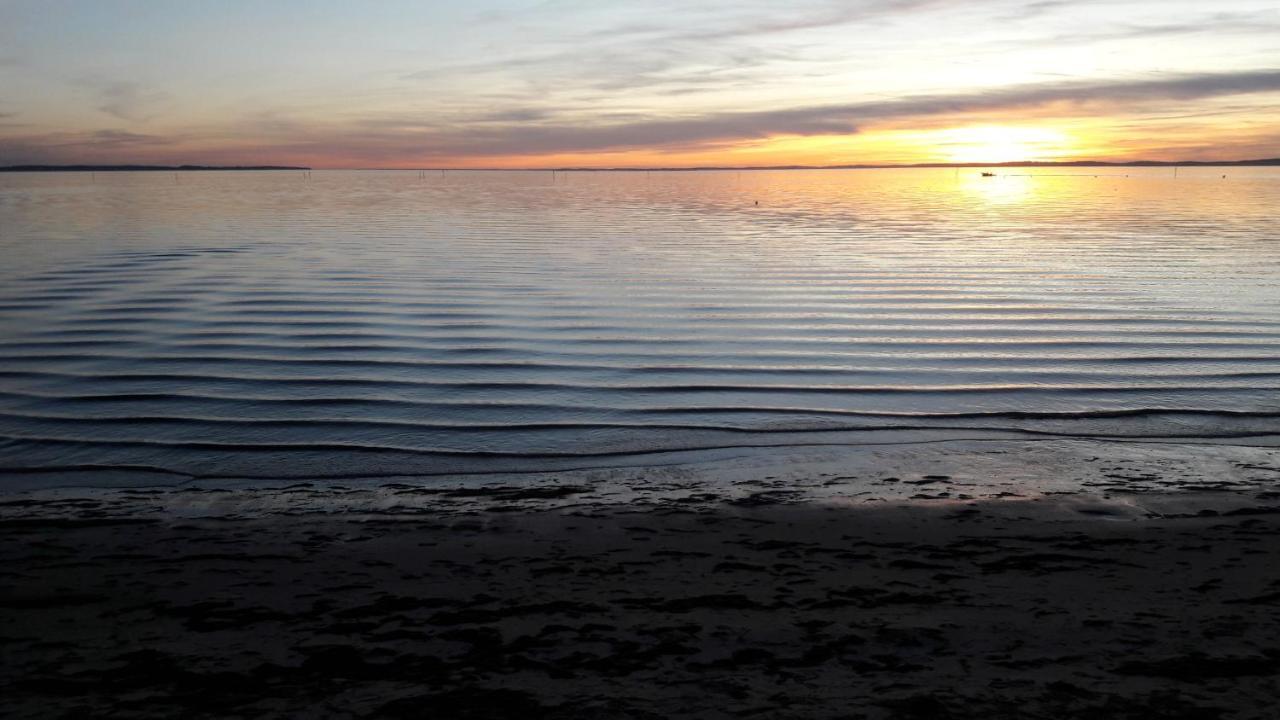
[(541, 83)]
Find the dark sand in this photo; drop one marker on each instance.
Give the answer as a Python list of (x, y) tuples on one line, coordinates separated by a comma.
[(554, 602)]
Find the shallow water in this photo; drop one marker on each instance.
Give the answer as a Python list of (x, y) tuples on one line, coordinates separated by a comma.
[(379, 323)]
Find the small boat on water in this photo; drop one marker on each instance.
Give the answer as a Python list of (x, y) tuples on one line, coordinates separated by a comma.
[(986, 174)]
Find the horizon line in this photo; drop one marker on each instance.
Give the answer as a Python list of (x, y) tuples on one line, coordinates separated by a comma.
[(139, 167)]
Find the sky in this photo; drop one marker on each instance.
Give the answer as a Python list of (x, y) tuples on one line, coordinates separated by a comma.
[(652, 83)]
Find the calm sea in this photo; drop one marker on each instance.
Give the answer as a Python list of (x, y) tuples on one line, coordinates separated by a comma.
[(271, 325)]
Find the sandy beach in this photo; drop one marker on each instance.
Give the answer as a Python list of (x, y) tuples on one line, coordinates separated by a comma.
[(766, 598)]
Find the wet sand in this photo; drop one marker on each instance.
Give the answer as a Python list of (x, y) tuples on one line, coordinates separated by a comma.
[(557, 600)]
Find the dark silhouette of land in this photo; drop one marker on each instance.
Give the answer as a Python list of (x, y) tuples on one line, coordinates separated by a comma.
[(1263, 162), (141, 168)]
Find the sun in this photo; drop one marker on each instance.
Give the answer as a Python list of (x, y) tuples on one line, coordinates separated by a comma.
[(1000, 144)]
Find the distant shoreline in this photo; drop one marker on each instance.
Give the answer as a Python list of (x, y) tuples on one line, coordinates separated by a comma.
[(141, 168), (1264, 162)]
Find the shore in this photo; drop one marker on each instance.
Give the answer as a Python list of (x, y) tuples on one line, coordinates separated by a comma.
[(560, 599)]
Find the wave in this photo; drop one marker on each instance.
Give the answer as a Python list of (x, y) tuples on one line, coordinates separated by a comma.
[(287, 404), (338, 448)]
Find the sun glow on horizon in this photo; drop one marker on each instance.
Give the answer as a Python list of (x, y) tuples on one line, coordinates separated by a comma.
[(1000, 144), (962, 144)]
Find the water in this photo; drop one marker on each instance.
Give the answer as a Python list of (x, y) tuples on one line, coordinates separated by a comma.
[(265, 325)]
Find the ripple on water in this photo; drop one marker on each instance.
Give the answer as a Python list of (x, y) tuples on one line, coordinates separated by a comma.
[(238, 325)]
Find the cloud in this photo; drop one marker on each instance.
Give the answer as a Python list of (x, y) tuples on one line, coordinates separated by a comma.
[(514, 115), (1029, 10), (6, 116), (112, 139), (712, 46), (384, 138), (125, 99), (1176, 87), (108, 145), (398, 138), (1219, 24), (720, 51), (832, 15)]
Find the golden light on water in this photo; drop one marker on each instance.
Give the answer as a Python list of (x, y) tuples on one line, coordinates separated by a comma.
[(1003, 189)]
